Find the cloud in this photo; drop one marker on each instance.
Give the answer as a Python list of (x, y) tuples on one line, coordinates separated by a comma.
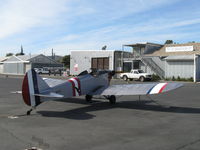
[(91, 24), (115, 36), (17, 16)]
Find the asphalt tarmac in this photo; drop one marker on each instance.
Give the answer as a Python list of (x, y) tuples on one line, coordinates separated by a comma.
[(169, 121)]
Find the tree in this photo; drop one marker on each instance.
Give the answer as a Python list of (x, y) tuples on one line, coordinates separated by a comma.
[(19, 54), (192, 42), (169, 42), (104, 47), (9, 54), (66, 61)]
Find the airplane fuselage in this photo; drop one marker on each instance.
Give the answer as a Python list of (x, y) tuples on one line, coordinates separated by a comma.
[(82, 85)]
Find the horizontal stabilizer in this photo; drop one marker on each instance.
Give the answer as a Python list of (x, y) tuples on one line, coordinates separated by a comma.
[(53, 95)]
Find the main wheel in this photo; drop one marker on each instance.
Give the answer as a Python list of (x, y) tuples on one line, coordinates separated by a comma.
[(88, 98), (125, 78), (112, 99), (142, 79)]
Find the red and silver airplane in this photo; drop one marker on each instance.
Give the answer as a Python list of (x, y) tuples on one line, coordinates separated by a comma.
[(36, 90)]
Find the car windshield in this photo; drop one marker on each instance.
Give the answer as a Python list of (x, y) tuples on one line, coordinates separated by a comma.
[(140, 71)]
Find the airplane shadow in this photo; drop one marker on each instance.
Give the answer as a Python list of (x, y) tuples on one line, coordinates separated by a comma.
[(83, 112)]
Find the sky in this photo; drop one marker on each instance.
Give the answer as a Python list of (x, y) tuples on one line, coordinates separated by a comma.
[(64, 25)]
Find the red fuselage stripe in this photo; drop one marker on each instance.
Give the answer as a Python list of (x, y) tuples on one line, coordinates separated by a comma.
[(73, 87), (79, 84)]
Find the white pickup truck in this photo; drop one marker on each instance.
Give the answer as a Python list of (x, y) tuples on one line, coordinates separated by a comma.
[(136, 74), (42, 70)]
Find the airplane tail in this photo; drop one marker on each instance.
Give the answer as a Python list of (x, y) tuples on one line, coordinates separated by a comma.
[(35, 89), (33, 84)]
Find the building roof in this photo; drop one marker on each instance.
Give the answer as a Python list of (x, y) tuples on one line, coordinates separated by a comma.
[(3, 59), (141, 44), (90, 50), (162, 51), (180, 57), (56, 58), (27, 57)]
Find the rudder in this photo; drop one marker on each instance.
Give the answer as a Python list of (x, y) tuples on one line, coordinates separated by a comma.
[(32, 85)]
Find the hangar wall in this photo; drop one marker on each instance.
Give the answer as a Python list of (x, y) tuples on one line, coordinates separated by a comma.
[(14, 68), (27, 66), (198, 68), (1, 68)]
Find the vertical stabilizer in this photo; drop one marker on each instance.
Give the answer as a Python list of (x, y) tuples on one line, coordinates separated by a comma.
[(32, 85)]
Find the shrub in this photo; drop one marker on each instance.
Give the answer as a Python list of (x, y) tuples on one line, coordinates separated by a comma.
[(155, 77), (173, 78), (179, 79)]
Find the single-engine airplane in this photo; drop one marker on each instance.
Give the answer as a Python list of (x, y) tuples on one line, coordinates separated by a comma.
[(36, 90)]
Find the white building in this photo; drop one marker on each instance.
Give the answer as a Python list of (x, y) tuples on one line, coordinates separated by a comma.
[(99, 59)]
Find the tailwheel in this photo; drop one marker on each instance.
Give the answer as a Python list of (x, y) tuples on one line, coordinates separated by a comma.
[(29, 111), (88, 98), (112, 99)]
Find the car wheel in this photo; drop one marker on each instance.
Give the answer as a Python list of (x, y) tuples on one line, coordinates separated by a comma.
[(142, 79), (125, 78)]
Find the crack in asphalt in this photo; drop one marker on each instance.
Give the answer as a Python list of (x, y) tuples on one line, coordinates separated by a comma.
[(40, 142), (35, 139), (14, 136), (189, 144)]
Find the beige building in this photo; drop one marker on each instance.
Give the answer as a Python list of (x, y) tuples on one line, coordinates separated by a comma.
[(179, 60)]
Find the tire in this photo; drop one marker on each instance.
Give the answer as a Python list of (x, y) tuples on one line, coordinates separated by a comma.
[(112, 99), (142, 79), (88, 98), (125, 78)]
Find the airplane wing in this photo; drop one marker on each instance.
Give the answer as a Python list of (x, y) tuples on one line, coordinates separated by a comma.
[(137, 89)]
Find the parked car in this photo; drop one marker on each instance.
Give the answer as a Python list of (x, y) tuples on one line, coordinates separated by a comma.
[(42, 70), (136, 74)]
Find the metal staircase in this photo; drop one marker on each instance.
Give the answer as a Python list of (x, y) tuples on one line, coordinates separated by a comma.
[(157, 69), (150, 63)]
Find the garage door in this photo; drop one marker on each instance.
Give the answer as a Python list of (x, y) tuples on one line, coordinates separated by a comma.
[(183, 69), (100, 63)]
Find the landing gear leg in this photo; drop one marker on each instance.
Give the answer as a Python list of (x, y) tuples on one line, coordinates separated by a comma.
[(139, 99), (112, 99), (88, 98)]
